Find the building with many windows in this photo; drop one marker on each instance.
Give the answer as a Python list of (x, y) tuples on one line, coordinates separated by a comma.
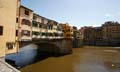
[(37, 26), (111, 31), (98, 34), (107, 34), (22, 25), (76, 33), (9, 9), (87, 34), (25, 25), (45, 28), (67, 30)]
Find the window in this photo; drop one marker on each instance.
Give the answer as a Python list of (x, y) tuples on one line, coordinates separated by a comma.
[(25, 32), (26, 22), (26, 12), (35, 33), (40, 26), (16, 32), (35, 24), (43, 34), (1, 30), (16, 20), (34, 17), (10, 45)]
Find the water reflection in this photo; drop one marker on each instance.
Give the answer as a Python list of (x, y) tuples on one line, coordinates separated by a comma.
[(87, 59), (26, 55)]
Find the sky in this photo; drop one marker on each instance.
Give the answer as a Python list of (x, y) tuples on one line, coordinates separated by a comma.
[(77, 12)]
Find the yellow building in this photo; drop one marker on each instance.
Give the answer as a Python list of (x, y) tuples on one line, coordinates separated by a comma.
[(52, 29), (25, 26), (8, 14), (67, 30), (39, 26), (36, 26), (44, 28)]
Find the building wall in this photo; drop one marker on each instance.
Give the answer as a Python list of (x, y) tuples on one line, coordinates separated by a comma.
[(67, 30), (107, 34), (24, 26), (88, 33), (111, 31), (98, 34), (8, 11), (44, 28), (37, 22), (91, 34)]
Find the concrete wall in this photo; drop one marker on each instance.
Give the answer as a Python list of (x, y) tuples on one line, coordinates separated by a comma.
[(8, 11)]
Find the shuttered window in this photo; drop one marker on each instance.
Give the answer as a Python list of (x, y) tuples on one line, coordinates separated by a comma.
[(25, 32), (26, 12), (26, 22), (1, 30), (16, 32)]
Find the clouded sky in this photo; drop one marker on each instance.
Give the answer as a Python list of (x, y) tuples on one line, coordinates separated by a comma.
[(77, 12)]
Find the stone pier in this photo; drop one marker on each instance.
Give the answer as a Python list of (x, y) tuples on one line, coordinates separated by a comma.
[(60, 46)]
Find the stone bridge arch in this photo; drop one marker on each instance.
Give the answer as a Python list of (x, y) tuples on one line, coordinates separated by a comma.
[(61, 46), (48, 47)]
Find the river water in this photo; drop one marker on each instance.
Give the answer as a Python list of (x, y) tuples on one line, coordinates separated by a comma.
[(86, 59)]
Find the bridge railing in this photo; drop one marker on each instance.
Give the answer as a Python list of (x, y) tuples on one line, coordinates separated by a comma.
[(45, 37)]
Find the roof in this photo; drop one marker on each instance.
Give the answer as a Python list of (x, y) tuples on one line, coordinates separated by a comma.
[(26, 8)]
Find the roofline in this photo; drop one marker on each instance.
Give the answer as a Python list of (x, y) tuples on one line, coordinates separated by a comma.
[(26, 8), (44, 17)]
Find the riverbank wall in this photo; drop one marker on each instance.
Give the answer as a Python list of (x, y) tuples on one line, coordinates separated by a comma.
[(77, 43), (102, 43), (5, 67)]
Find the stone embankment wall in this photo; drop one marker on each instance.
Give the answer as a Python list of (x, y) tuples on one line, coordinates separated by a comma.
[(5, 67), (77, 43)]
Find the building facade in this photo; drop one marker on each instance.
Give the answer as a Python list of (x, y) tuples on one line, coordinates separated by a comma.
[(37, 26), (44, 28), (88, 35), (25, 25), (111, 31), (67, 30), (8, 13), (98, 34), (107, 34), (91, 35)]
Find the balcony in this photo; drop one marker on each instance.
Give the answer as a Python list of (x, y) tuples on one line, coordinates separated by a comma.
[(26, 22), (35, 24)]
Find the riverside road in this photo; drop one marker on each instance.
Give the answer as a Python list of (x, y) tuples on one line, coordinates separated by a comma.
[(86, 59)]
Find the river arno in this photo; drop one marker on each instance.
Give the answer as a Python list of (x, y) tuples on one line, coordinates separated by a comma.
[(86, 59)]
